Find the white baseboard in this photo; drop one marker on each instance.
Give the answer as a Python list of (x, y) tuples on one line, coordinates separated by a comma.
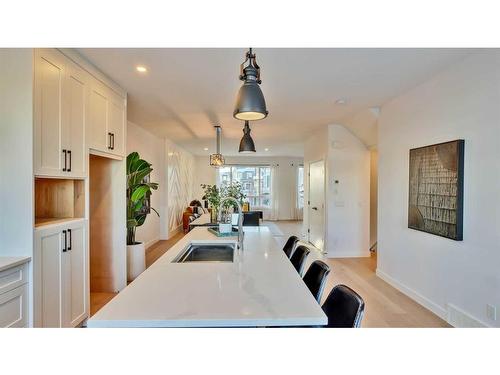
[(151, 242), (348, 255), (461, 319), (173, 232), (417, 297)]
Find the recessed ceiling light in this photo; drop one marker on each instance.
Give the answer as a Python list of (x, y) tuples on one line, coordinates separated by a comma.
[(340, 101), (141, 69), (266, 149), (206, 148)]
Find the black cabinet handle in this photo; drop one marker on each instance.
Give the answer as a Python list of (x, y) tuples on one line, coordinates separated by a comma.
[(65, 154), (69, 154), (70, 240), (65, 241), (113, 139), (109, 144)]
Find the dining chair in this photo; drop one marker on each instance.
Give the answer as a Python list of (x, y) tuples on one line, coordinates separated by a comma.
[(289, 245), (251, 219), (344, 308), (298, 258), (315, 278)]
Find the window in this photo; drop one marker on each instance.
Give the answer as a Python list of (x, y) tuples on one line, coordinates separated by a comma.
[(300, 187), (255, 182)]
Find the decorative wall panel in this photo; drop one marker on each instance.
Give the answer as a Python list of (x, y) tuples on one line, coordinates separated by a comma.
[(180, 166)]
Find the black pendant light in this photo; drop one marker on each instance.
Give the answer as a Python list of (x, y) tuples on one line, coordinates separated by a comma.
[(250, 102), (246, 143), (217, 160)]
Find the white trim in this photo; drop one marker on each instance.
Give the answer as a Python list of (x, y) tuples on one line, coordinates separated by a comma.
[(77, 58), (174, 231), (461, 319), (150, 243), (417, 297), (349, 255), (104, 154)]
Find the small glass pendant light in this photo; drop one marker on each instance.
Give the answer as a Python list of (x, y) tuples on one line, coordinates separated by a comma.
[(217, 160)]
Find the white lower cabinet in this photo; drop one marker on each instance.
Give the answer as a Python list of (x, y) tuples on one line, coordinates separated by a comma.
[(14, 297), (60, 275)]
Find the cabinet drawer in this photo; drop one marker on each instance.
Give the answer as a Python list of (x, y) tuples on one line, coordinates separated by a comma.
[(14, 307), (13, 277)]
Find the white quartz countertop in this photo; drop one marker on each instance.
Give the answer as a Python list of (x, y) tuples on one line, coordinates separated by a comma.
[(260, 288), (9, 262)]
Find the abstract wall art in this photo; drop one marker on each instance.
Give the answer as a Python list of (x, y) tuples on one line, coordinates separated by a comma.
[(435, 200)]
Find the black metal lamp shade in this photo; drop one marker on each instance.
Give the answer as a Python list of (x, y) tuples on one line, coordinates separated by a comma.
[(246, 143), (250, 102)]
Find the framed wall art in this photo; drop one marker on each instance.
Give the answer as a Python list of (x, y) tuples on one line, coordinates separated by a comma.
[(435, 199)]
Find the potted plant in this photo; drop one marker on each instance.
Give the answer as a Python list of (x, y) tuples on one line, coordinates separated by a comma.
[(138, 208), (214, 195)]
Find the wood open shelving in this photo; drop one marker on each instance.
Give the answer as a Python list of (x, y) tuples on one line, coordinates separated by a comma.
[(58, 200)]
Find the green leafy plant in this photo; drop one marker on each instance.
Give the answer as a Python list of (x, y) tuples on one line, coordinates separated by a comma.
[(214, 194), (138, 193)]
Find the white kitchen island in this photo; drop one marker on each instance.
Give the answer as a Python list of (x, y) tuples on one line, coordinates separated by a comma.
[(259, 288)]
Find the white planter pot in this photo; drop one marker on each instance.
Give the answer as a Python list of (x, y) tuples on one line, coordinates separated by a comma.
[(136, 260)]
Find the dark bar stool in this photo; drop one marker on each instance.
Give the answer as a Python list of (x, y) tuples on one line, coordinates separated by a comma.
[(344, 308), (315, 278), (298, 258), (290, 244)]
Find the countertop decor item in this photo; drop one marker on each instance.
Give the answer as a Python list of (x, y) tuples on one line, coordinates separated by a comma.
[(250, 102), (214, 195), (435, 199)]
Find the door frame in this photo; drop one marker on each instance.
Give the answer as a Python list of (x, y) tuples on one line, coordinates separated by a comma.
[(324, 203)]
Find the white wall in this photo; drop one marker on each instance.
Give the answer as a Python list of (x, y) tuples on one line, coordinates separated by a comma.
[(286, 178), (173, 169), (151, 149), (347, 203), (16, 143), (461, 102)]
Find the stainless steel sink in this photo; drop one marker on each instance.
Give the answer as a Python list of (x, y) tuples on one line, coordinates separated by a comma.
[(206, 253)]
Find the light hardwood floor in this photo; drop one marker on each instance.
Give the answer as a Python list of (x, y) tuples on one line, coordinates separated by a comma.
[(98, 299), (385, 306)]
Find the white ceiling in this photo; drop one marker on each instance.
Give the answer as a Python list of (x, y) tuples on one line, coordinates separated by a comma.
[(186, 91)]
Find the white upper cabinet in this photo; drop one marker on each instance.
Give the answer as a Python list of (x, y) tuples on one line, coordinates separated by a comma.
[(107, 117), (116, 128), (48, 114), (98, 117), (74, 109), (59, 113)]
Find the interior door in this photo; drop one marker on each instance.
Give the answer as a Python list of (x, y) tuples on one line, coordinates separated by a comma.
[(49, 78), (48, 260), (316, 206), (74, 278), (74, 123)]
